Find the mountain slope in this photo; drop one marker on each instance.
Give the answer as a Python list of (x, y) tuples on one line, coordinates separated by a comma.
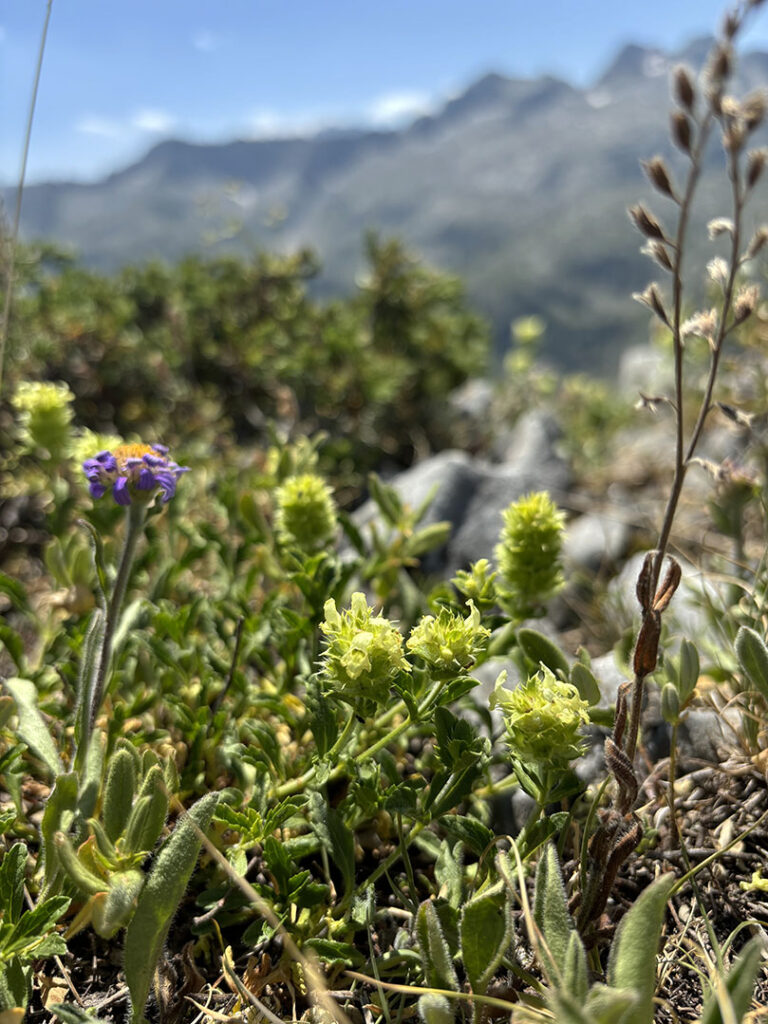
[(519, 186)]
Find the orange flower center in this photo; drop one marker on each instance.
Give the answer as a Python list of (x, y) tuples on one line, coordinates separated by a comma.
[(124, 452)]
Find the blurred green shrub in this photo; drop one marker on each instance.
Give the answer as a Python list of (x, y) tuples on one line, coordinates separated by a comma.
[(222, 347)]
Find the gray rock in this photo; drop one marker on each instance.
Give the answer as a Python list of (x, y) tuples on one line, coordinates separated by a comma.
[(703, 735), (594, 542), (609, 678), (532, 442), (471, 494), (472, 401)]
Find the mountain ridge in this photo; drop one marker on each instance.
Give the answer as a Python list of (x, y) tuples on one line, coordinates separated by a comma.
[(518, 185)]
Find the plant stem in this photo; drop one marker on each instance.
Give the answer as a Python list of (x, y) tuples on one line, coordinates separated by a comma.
[(11, 268), (298, 784), (134, 526), (671, 783)]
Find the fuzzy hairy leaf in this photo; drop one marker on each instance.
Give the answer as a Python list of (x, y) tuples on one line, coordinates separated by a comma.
[(486, 932), (57, 817), (119, 791), (32, 926), (550, 909), (32, 728), (632, 963), (160, 899), (575, 976), (12, 882), (435, 1009), (336, 837), (436, 956), (752, 653)]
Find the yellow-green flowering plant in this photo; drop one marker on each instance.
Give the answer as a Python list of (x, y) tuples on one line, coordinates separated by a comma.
[(45, 415), (447, 643), (364, 652), (543, 718), (478, 584), (529, 554), (306, 513)]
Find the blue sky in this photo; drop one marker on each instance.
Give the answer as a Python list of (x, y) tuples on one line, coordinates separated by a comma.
[(119, 76)]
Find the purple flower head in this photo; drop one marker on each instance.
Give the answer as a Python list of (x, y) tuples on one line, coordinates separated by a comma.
[(134, 472)]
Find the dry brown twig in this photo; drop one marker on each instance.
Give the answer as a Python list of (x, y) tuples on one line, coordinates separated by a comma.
[(699, 109)]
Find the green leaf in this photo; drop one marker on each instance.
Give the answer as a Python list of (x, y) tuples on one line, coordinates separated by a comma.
[(435, 1009), (632, 962), (739, 986), (544, 829), (486, 932), (15, 591), (57, 817), (550, 911), (387, 499), (539, 649), (32, 728), (689, 669), (449, 872), (89, 657), (128, 619), (119, 791), (476, 836), (614, 1006), (74, 1014), (12, 882), (323, 718), (160, 899), (33, 925), (112, 914), (330, 951), (336, 837), (753, 658), (575, 975), (435, 954), (90, 776), (49, 945), (427, 539), (566, 1008), (13, 644), (583, 678), (14, 985), (148, 814)]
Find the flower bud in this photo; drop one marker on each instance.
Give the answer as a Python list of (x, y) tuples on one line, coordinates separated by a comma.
[(478, 584), (447, 642), (658, 175), (755, 165), (306, 514), (645, 222), (682, 135), (529, 553), (45, 413), (685, 94), (364, 652), (543, 717)]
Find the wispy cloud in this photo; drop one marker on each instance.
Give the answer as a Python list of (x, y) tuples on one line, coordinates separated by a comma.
[(205, 41), (395, 107), (156, 121), (104, 127)]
